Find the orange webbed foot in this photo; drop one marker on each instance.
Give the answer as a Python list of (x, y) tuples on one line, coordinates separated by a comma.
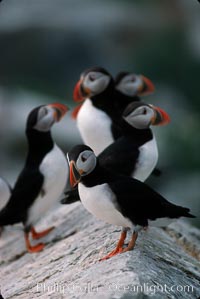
[(38, 235), (32, 249), (112, 253), (132, 242), (37, 248), (118, 249)]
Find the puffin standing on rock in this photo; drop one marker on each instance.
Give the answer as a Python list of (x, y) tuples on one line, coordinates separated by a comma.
[(43, 177), (116, 199)]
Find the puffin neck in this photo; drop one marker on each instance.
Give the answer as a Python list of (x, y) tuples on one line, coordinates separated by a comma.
[(122, 101), (97, 177), (140, 136), (39, 144), (104, 100)]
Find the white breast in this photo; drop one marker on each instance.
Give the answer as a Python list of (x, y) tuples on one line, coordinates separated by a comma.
[(147, 160), (99, 201), (54, 167), (4, 193), (95, 127)]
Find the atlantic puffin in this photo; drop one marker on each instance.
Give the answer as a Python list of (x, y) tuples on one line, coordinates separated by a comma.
[(95, 118), (43, 177), (116, 199), (98, 118), (130, 87), (135, 153)]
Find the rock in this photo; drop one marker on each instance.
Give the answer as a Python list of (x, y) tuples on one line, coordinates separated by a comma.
[(164, 263)]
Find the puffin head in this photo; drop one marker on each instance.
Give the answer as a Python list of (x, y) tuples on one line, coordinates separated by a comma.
[(82, 161), (93, 81), (132, 85), (141, 116), (43, 117)]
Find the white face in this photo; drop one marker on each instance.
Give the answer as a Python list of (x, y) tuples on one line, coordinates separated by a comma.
[(86, 162), (96, 82), (141, 117), (45, 119), (130, 85)]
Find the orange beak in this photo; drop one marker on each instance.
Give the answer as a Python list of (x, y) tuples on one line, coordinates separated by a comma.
[(80, 92), (59, 110), (74, 176), (148, 86), (77, 95), (160, 118)]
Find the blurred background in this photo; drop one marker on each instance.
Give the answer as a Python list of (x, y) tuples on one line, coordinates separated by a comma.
[(45, 45)]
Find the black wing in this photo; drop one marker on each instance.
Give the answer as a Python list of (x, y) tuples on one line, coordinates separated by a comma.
[(140, 203), (25, 191), (120, 157)]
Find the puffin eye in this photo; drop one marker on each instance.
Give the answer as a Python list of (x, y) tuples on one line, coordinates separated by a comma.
[(145, 111), (45, 111), (133, 79), (92, 77), (83, 159)]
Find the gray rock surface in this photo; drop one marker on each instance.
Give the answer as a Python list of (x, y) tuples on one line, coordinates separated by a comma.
[(164, 263)]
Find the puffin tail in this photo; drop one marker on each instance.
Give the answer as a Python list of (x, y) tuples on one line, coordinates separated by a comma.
[(189, 215), (178, 211)]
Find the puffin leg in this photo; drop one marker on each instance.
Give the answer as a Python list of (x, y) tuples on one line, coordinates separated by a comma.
[(131, 244), (38, 235), (30, 248), (119, 247)]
